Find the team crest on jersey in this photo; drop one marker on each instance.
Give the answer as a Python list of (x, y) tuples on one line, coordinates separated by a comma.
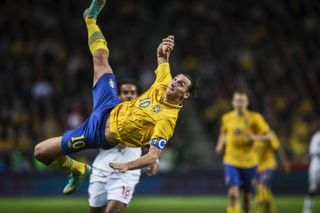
[(111, 83), (237, 131), (156, 108), (145, 102)]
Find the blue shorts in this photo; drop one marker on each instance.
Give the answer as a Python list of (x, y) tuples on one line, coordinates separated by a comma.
[(265, 177), (245, 178), (91, 133)]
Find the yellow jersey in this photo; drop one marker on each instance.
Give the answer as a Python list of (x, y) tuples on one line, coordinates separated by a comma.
[(265, 151), (148, 116), (239, 150)]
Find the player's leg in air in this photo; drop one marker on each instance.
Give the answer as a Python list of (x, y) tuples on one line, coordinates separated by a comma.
[(53, 152)]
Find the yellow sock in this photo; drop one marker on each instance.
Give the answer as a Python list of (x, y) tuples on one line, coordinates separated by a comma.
[(65, 163), (264, 200), (96, 39), (233, 209), (270, 203), (260, 199)]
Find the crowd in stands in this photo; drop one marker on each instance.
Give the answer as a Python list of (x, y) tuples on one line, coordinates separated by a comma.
[(269, 47)]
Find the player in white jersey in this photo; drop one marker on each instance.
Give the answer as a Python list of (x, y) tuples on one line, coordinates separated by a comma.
[(109, 190), (314, 172)]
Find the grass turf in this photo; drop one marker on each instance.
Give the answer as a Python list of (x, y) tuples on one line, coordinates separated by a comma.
[(154, 204)]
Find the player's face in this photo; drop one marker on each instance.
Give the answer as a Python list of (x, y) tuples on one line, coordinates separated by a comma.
[(128, 92), (179, 87), (240, 102)]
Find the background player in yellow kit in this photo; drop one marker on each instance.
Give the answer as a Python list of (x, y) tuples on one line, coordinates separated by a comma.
[(239, 129), (148, 119), (267, 163)]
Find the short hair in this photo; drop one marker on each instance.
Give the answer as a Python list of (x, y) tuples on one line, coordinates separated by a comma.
[(241, 91), (129, 81), (194, 86)]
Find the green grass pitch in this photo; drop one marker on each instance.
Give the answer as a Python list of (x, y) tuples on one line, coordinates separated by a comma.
[(154, 204)]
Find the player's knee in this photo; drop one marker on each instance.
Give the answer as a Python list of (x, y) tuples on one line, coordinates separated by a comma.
[(312, 193), (116, 207), (39, 152), (113, 209), (233, 195), (100, 58)]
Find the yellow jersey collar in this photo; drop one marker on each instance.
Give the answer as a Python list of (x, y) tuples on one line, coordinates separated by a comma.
[(173, 106), (244, 114)]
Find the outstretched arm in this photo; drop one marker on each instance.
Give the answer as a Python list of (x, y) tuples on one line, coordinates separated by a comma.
[(146, 160), (164, 49), (284, 160)]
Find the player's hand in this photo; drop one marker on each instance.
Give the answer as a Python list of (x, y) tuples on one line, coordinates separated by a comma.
[(168, 44), (121, 167), (153, 169), (250, 136), (219, 149), (165, 47), (286, 167), (121, 146)]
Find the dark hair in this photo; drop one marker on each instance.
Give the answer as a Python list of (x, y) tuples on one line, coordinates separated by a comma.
[(242, 91), (194, 86), (129, 81)]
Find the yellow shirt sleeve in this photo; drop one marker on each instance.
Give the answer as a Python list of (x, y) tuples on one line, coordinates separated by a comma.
[(163, 75), (164, 129), (261, 125)]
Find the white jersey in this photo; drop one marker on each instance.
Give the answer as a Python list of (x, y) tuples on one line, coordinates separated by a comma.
[(108, 184), (116, 155), (314, 149), (314, 167)]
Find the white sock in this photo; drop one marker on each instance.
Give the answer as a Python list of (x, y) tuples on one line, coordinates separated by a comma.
[(308, 203)]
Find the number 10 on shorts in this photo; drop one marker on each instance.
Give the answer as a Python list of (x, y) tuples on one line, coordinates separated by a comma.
[(77, 142)]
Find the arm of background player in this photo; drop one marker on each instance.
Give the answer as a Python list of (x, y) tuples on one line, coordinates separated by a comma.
[(164, 49), (262, 137), (221, 143), (145, 160), (284, 160)]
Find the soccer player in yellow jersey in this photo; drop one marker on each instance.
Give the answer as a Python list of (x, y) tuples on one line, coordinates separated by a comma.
[(239, 129), (147, 119), (267, 163)]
